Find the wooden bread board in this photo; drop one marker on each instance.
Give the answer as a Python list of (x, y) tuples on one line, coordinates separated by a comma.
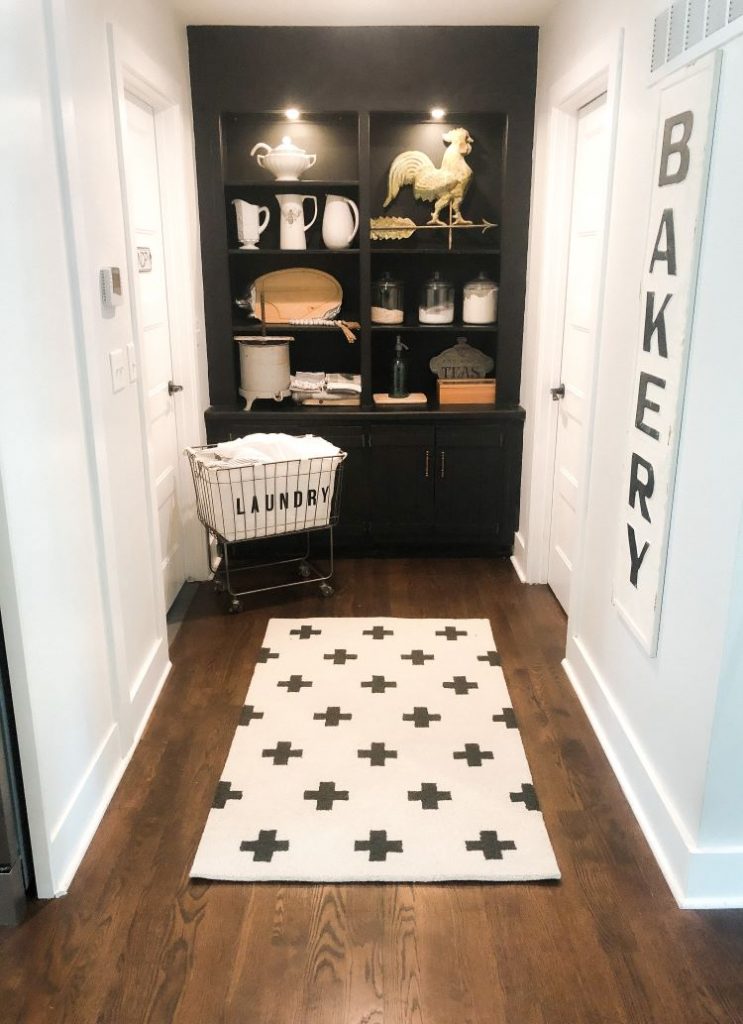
[(466, 391), (345, 400), (414, 398)]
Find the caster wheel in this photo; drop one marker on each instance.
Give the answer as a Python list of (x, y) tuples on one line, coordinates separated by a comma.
[(326, 590), (218, 587), (304, 570), (236, 606)]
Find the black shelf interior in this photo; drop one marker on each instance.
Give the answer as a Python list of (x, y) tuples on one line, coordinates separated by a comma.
[(354, 152), (420, 351), (332, 137)]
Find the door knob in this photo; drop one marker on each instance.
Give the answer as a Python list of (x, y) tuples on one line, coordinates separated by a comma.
[(174, 388), (557, 393)]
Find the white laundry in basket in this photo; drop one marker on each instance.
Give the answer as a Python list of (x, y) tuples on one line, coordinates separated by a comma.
[(274, 448), (242, 500)]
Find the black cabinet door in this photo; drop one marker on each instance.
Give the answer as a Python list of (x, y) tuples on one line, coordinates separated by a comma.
[(402, 482), (471, 492), (354, 510)]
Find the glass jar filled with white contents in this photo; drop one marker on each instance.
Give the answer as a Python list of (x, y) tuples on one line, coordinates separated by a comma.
[(480, 304), (436, 304)]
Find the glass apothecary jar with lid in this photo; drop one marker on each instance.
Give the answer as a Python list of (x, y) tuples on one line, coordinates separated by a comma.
[(480, 302), (387, 300), (436, 305)]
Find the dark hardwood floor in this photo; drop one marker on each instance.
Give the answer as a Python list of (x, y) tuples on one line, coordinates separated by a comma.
[(136, 941)]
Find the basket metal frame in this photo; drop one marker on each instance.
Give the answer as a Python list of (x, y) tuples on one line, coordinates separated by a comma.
[(229, 564)]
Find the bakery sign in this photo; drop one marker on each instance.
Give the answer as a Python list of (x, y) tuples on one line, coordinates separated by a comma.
[(685, 128)]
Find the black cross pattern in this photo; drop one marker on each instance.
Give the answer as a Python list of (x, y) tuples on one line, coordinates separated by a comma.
[(325, 794), (305, 632), (378, 632), (264, 654), (490, 845), (248, 713), (282, 752), (417, 657), (422, 717), (225, 792), (378, 684), (332, 716), (451, 632), (429, 795), (527, 797), (473, 755), (294, 684), (265, 846), (377, 754), (340, 656), (492, 657), (508, 718), (378, 845), (460, 685)]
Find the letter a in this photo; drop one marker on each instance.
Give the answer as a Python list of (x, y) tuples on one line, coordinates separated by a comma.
[(669, 253)]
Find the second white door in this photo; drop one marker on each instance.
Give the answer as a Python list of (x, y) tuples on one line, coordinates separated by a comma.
[(579, 337), (143, 182)]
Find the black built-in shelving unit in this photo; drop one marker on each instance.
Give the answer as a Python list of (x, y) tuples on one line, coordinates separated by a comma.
[(365, 96)]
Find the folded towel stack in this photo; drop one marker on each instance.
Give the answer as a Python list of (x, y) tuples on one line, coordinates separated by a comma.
[(325, 386)]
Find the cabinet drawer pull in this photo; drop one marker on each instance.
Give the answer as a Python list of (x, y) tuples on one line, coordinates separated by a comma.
[(443, 463), (428, 464)]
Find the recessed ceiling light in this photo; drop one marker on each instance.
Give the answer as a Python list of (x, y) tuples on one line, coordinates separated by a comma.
[(292, 113), (437, 113)]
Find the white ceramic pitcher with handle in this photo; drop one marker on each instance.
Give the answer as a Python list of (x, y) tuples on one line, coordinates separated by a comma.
[(250, 226), (340, 222), (293, 230)]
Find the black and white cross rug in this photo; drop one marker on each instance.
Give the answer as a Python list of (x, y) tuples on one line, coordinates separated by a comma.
[(376, 750)]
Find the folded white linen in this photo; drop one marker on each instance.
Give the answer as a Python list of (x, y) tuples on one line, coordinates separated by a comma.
[(343, 383)]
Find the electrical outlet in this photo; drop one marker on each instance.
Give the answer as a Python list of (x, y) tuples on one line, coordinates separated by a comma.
[(131, 355), (118, 369)]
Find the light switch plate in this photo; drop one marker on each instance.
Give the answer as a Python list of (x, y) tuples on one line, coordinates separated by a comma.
[(118, 369), (131, 355)]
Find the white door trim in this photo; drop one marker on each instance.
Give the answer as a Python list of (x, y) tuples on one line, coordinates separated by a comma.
[(599, 73), (133, 72)]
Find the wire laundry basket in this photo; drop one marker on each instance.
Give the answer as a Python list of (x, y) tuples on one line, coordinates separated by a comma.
[(238, 501)]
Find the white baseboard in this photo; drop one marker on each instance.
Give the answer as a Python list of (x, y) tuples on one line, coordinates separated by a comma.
[(71, 835), (518, 558), (698, 878), (79, 823)]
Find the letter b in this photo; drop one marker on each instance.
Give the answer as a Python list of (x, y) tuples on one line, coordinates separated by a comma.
[(680, 146)]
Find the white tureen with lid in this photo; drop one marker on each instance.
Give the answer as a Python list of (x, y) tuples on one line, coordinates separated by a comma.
[(286, 162)]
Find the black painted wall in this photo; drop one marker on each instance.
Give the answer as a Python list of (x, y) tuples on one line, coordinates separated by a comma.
[(476, 70)]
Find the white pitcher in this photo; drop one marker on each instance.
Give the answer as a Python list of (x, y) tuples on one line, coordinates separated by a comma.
[(293, 227), (340, 222), (250, 227)]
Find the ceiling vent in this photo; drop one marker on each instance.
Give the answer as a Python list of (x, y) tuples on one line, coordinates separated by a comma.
[(685, 24)]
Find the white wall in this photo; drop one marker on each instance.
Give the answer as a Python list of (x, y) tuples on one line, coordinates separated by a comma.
[(79, 584), (655, 716)]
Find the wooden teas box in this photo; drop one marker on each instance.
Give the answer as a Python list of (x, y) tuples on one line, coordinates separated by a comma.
[(466, 391)]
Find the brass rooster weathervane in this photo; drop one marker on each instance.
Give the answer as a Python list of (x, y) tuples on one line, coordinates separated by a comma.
[(443, 186)]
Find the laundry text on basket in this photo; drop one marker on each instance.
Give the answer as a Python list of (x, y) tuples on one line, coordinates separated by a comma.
[(314, 497)]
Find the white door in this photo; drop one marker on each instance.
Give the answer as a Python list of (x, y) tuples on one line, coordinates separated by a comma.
[(579, 335), (143, 182)]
